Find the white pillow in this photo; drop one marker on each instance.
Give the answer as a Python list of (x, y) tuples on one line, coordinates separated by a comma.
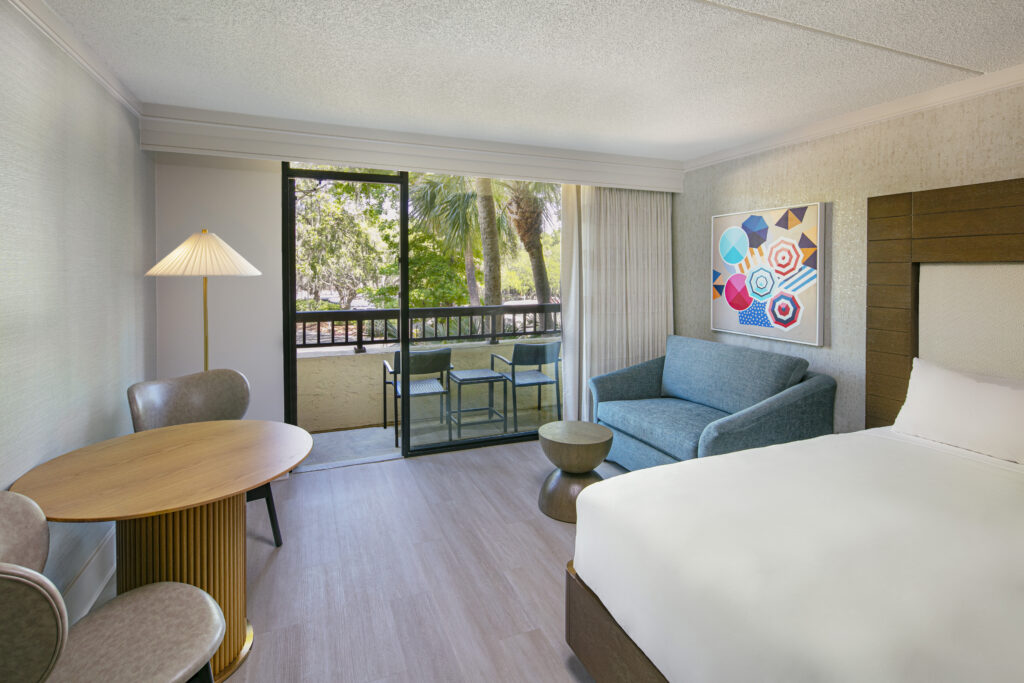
[(959, 410)]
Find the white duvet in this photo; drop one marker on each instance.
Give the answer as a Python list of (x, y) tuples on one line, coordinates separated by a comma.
[(862, 557)]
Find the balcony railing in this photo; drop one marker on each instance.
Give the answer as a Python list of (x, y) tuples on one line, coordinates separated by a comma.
[(360, 328)]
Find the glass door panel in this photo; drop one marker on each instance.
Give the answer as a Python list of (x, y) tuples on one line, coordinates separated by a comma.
[(483, 287)]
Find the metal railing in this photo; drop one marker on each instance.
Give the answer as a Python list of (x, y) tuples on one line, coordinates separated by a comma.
[(360, 328)]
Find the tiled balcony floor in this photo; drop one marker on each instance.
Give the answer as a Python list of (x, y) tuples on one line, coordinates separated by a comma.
[(374, 444)]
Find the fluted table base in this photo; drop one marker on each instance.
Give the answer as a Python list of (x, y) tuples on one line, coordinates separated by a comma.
[(203, 546)]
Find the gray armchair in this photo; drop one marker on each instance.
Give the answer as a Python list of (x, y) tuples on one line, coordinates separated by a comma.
[(159, 632), (200, 397), (705, 398)]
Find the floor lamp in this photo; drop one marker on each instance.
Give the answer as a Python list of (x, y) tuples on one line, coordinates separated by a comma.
[(203, 255)]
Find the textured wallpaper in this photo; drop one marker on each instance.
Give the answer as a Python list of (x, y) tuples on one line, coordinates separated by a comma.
[(974, 141), (77, 319)]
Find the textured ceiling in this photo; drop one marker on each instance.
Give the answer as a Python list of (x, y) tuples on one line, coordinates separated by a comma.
[(673, 79), (984, 35)]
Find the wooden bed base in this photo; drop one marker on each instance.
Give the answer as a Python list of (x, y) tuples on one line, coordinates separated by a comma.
[(599, 642)]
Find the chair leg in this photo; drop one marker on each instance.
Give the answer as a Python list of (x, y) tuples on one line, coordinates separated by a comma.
[(204, 675), (396, 419), (460, 413), (515, 411), (539, 388), (448, 401), (558, 396), (272, 511)]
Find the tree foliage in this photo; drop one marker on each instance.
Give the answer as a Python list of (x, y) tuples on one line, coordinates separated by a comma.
[(435, 278), (460, 228), (337, 229)]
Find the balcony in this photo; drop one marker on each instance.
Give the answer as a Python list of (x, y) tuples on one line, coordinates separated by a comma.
[(340, 354)]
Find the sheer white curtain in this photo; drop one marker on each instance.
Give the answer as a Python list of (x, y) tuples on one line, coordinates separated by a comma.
[(616, 284)]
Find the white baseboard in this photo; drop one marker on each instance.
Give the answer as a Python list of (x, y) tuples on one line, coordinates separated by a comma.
[(83, 590)]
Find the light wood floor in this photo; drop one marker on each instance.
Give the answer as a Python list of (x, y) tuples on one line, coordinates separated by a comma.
[(436, 568)]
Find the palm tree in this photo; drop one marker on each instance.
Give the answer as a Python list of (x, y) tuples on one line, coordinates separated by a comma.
[(527, 205), (462, 212)]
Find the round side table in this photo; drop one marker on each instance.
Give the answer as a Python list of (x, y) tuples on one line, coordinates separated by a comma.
[(575, 448)]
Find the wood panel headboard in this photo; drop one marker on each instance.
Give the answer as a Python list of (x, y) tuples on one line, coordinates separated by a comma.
[(968, 224)]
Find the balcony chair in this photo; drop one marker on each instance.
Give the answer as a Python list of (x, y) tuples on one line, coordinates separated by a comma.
[(158, 632), (531, 354), (201, 397), (421, 363)]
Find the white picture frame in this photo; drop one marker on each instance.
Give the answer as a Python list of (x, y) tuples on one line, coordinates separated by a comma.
[(768, 273)]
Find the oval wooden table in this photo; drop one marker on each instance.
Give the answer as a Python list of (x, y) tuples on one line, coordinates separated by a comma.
[(178, 497)]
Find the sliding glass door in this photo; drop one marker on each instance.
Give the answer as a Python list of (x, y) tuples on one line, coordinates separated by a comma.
[(427, 296)]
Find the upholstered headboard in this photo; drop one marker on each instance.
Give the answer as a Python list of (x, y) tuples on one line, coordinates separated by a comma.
[(968, 224)]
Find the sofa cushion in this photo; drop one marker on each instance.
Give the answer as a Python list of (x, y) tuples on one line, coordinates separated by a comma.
[(724, 376), (668, 424)]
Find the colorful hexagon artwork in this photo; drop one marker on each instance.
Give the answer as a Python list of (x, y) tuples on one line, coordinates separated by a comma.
[(791, 218), (754, 315), (799, 281), (784, 256), (784, 310), (767, 273), (736, 294), (754, 257), (810, 251), (757, 230), (733, 245), (717, 284), (761, 283)]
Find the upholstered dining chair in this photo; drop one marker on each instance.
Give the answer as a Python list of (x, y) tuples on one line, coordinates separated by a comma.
[(529, 355), (421, 363), (200, 397), (157, 632)]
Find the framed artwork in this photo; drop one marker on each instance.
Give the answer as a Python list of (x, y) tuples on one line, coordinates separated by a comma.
[(767, 273)]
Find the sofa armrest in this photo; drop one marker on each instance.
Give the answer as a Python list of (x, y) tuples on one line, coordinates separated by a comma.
[(635, 382), (802, 411)]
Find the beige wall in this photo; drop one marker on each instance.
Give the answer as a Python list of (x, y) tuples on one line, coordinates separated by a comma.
[(971, 317), (77, 319), (240, 201), (342, 390), (973, 141)]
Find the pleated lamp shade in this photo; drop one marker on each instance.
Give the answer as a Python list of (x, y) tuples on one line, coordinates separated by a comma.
[(206, 255)]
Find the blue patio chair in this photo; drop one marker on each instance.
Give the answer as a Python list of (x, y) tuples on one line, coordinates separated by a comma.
[(531, 354), (421, 363)]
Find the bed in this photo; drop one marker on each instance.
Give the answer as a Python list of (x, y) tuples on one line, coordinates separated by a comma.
[(869, 556), (754, 588)]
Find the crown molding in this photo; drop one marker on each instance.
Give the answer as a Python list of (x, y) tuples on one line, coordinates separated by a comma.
[(177, 129), (966, 89), (62, 35)]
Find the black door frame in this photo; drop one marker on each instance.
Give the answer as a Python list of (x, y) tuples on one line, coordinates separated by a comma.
[(288, 177), (401, 179)]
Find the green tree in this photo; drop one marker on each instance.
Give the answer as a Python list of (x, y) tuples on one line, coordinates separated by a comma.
[(528, 204), (434, 277), (335, 240), (517, 272), (461, 211)]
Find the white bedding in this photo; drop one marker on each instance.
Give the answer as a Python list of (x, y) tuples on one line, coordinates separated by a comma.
[(868, 556)]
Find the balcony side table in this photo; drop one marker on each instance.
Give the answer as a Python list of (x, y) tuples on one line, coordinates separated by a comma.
[(481, 376), (575, 448)]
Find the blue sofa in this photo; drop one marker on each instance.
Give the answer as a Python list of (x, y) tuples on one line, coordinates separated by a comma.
[(704, 398)]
